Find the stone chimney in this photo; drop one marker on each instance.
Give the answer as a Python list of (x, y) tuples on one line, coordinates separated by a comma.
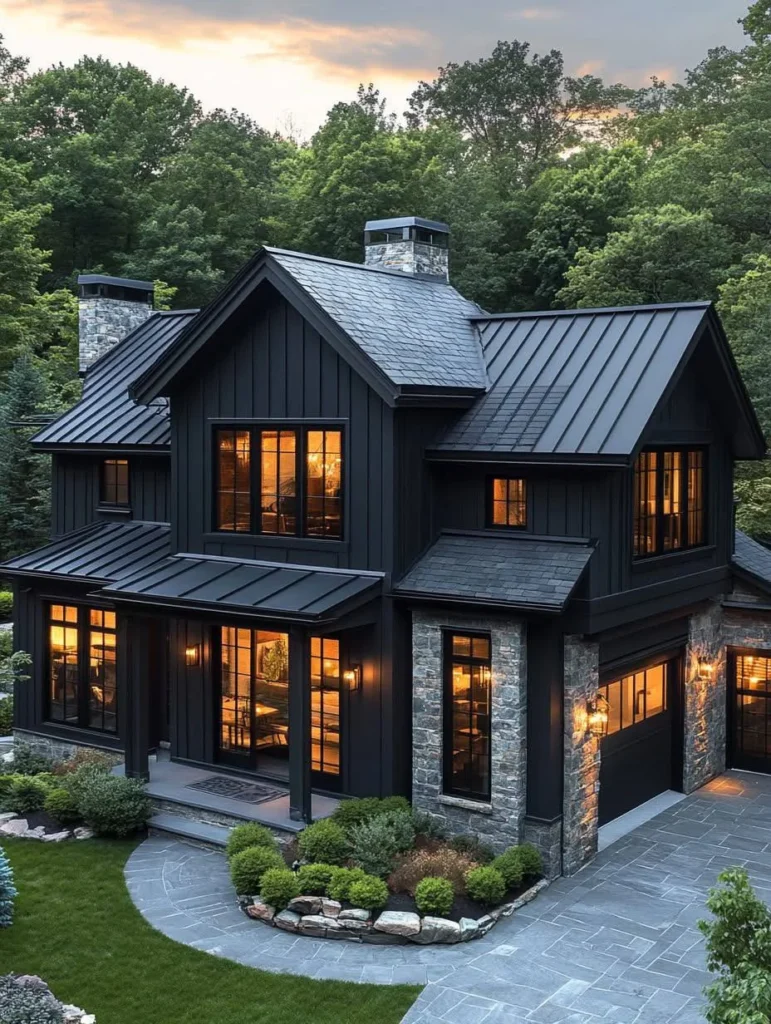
[(410, 244), (109, 309)]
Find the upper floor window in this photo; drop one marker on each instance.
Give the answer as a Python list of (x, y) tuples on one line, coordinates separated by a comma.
[(669, 501), (284, 482), (467, 706), (114, 487), (509, 502)]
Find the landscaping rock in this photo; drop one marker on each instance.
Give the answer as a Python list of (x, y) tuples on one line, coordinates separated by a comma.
[(397, 922), (83, 833), (354, 927), (383, 939), (469, 929), (316, 925), (437, 929), (56, 837), (260, 910), (287, 920), (14, 827), (305, 904), (355, 915), (484, 924), (7, 816), (330, 908)]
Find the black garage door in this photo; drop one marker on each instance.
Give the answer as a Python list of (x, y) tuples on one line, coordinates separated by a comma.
[(750, 710), (637, 753)]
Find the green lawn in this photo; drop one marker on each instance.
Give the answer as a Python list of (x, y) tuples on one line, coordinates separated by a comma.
[(77, 928)]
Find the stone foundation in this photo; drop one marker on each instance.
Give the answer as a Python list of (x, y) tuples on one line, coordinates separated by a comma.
[(581, 756), (55, 748), (704, 700), (546, 837)]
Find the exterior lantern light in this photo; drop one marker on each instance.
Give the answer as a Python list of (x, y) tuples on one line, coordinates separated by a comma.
[(352, 678), (597, 714), (706, 669), (193, 654)]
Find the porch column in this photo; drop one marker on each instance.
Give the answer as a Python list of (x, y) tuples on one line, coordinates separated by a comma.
[(133, 654), (299, 725)]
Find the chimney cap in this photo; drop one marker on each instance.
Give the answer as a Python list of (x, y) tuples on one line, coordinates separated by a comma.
[(117, 282), (406, 222)]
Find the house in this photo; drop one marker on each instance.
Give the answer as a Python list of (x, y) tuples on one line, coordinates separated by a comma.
[(345, 530)]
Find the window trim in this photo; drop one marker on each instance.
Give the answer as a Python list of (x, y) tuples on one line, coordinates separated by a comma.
[(104, 502), (301, 428), (447, 708), (659, 518), (84, 629), (490, 501)]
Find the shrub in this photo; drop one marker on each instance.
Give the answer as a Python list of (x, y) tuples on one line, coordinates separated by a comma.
[(442, 863), (434, 896), (369, 893), (8, 892), (473, 848), (85, 756), (77, 782), (323, 842), (61, 806), (532, 861), (485, 885), (6, 604), (340, 883), (376, 842), (510, 866), (25, 1003), (6, 716), (27, 795), (739, 951), (27, 762), (6, 788), (248, 866), (6, 643), (113, 805), (427, 825), (314, 879), (351, 813), (250, 834), (279, 886)]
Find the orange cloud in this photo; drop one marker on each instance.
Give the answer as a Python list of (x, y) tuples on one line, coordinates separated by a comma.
[(590, 67), (537, 14)]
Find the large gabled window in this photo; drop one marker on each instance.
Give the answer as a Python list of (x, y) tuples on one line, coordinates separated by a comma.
[(285, 481), (669, 501)]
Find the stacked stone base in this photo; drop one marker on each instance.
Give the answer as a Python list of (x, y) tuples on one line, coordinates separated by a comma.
[(57, 749)]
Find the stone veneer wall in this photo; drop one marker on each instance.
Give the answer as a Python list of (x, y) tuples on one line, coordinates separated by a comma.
[(581, 755), (55, 748), (498, 823), (704, 700), (409, 257), (103, 322)]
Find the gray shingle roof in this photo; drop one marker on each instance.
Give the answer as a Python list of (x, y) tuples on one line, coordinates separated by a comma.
[(752, 558), (106, 414), (418, 332), (99, 553), (498, 569), (578, 382)]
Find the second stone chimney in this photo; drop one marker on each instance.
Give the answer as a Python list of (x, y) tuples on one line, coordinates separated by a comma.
[(109, 309), (411, 244)]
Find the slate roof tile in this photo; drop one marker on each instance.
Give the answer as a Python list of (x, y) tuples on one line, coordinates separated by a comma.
[(752, 557)]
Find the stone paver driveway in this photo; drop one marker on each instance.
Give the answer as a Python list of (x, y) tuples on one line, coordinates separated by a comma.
[(616, 944)]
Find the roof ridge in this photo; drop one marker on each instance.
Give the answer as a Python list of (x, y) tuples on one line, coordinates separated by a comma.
[(398, 274), (534, 314)]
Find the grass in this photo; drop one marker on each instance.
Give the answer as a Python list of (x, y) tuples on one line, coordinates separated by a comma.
[(76, 927)]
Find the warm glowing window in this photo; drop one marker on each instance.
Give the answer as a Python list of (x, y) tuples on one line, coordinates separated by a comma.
[(254, 693), (668, 501), (234, 462), (278, 481), (467, 706), (325, 705), (323, 483), (82, 684), (636, 697), (115, 482), (509, 502), (751, 717)]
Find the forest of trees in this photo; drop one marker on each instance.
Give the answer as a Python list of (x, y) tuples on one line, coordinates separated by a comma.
[(560, 192)]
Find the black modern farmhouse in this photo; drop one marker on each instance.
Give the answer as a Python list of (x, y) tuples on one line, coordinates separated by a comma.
[(345, 531)]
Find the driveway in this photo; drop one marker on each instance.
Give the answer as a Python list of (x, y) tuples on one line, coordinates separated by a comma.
[(615, 944)]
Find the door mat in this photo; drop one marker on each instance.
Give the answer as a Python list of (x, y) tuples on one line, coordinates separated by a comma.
[(236, 789)]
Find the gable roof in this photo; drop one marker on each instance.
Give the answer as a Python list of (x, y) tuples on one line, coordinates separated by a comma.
[(106, 414), (538, 573), (401, 333), (581, 383), (752, 559)]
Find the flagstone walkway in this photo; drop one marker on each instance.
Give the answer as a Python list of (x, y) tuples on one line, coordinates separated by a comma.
[(615, 944)]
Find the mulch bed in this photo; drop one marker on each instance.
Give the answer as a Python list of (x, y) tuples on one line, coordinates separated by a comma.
[(462, 906), (37, 818)]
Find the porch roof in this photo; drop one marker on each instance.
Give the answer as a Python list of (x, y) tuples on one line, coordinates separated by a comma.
[(752, 560), (246, 587)]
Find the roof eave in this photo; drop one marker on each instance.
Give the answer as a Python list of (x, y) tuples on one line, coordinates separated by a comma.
[(427, 597), (618, 461)]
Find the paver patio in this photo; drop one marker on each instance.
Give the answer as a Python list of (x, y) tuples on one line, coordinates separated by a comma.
[(617, 943)]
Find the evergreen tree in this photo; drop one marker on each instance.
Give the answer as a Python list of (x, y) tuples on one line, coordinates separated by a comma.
[(8, 891)]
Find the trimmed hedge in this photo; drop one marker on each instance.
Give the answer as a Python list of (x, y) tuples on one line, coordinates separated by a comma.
[(247, 868), (113, 805), (434, 896), (314, 879), (61, 806), (340, 883), (369, 893), (324, 842), (350, 813), (485, 885), (279, 886), (250, 834), (510, 866)]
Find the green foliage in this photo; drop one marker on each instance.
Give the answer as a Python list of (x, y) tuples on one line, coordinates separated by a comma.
[(6, 715), (738, 942), (314, 879), (6, 604), (248, 866), (368, 893), (473, 847), (6, 788), (323, 842), (531, 860), (113, 805), (510, 865), (434, 896), (8, 892), (250, 834), (350, 813), (81, 779), (485, 885), (427, 825), (27, 1003), (60, 804), (28, 794), (341, 880), (279, 886), (375, 843), (14, 669)]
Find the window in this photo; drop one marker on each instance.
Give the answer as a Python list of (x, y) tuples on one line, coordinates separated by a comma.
[(669, 501), (325, 705), (115, 482), (509, 502), (467, 672), (82, 681), (299, 480), (636, 697)]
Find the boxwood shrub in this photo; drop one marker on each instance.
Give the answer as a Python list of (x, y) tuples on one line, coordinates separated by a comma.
[(248, 866), (61, 806), (510, 866), (485, 885), (314, 879), (339, 887), (434, 896), (242, 837), (323, 842), (113, 805), (369, 893), (354, 812), (279, 886), (28, 794), (532, 861)]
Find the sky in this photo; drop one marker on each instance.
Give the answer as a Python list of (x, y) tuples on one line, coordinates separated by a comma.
[(286, 62)]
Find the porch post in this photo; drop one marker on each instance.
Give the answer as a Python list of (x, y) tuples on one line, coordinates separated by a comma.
[(299, 725), (133, 653)]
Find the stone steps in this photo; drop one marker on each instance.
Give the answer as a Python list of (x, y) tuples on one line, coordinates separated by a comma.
[(199, 833)]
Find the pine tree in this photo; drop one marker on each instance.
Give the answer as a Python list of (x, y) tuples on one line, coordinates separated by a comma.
[(8, 891)]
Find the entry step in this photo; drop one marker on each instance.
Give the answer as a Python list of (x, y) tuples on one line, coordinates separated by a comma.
[(187, 828)]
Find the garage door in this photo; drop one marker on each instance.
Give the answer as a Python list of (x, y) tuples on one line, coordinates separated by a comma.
[(637, 752), (750, 710)]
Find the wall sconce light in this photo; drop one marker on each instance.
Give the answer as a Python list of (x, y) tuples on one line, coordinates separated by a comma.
[(193, 654), (597, 715), (352, 678), (706, 669)]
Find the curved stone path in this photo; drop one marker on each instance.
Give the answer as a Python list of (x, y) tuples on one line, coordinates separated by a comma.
[(616, 944)]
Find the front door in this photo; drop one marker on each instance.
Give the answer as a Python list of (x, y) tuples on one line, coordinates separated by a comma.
[(750, 710)]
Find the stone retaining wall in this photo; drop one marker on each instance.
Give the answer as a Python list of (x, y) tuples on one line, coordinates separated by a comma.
[(58, 749)]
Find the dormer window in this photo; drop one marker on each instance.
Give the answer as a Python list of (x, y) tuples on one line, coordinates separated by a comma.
[(508, 502), (669, 501), (114, 487)]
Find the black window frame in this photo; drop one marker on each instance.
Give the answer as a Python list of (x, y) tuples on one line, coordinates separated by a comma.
[(84, 629), (448, 659), (490, 501), (106, 501), (301, 430), (659, 517)]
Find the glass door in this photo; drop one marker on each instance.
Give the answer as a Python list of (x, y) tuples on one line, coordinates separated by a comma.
[(325, 710)]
